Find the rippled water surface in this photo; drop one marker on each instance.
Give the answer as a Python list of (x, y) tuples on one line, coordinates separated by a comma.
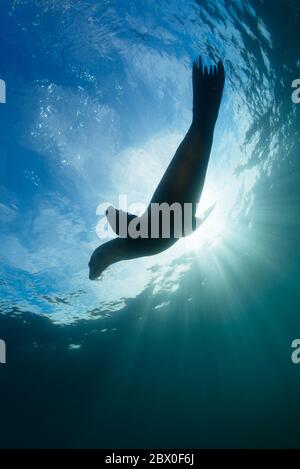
[(188, 348)]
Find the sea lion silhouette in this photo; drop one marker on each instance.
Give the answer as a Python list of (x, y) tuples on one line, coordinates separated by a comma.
[(182, 182)]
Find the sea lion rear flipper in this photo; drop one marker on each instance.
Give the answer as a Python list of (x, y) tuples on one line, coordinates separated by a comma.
[(208, 84), (118, 219)]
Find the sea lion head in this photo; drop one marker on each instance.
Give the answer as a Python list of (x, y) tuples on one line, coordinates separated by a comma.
[(99, 261)]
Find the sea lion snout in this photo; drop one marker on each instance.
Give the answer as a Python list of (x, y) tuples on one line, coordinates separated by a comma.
[(95, 271), (92, 275), (91, 272), (98, 263)]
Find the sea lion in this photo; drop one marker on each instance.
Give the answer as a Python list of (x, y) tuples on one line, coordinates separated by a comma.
[(182, 182)]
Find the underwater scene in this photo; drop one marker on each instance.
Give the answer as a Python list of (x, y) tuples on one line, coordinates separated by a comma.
[(193, 347)]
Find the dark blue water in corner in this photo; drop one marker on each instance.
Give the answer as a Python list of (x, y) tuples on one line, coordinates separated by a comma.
[(188, 349)]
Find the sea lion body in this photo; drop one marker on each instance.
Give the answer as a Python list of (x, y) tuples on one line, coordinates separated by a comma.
[(183, 180)]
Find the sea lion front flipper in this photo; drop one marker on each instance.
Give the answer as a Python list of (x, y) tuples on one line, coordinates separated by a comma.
[(205, 215), (118, 219), (198, 221)]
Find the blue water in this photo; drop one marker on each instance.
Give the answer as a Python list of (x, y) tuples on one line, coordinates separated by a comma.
[(191, 348)]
